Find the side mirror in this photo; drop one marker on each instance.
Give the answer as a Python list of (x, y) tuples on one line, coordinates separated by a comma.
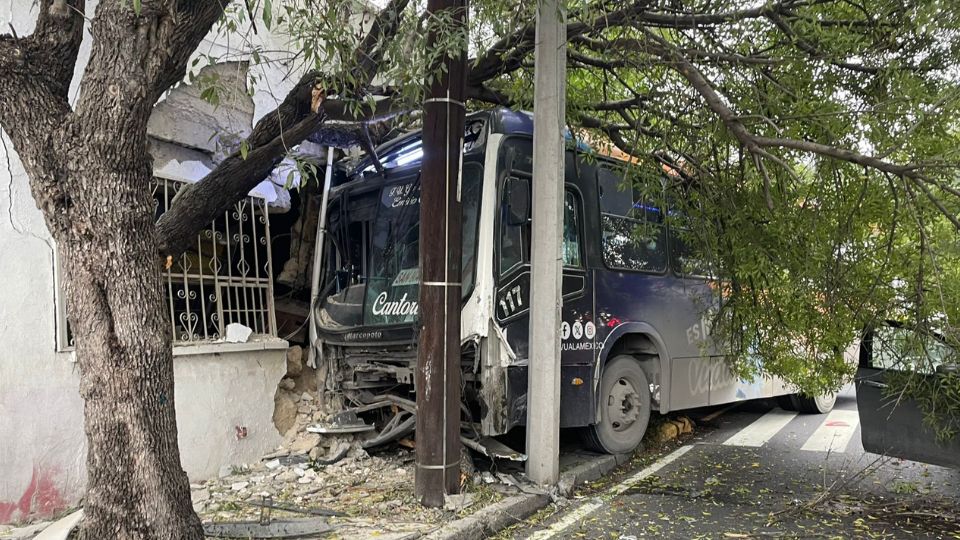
[(518, 201)]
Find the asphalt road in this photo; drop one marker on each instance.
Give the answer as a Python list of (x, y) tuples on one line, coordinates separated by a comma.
[(757, 471)]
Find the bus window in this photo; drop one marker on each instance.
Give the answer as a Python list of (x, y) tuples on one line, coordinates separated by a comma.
[(472, 180), (571, 231), (515, 224), (515, 227), (687, 258), (633, 235)]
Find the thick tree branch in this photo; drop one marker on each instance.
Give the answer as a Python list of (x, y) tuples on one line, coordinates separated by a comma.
[(695, 20), (35, 76), (757, 145), (489, 95), (609, 127), (507, 54), (837, 153), (192, 22), (288, 125), (578, 57), (230, 182), (49, 54), (619, 105)]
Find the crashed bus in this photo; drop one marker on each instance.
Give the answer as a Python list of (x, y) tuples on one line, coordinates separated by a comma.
[(634, 333)]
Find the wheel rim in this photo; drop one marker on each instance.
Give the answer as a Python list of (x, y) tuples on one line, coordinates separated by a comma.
[(825, 402), (623, 405)]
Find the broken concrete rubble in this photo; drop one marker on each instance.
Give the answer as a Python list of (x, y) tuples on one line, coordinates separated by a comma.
[(304, 443), (294, 361), (238, 333), (284, 412), (298, 383), (363, 487), (330, 471)]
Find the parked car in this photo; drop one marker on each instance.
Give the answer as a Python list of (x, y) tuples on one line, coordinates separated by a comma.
[(891, 423)]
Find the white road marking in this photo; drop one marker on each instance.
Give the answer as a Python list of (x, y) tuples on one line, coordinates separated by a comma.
[(834, 432), (762, 429), (569, 520), (650, 469), (584, 510)]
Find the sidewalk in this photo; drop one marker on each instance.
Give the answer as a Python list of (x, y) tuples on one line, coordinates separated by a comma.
[(327, 486)]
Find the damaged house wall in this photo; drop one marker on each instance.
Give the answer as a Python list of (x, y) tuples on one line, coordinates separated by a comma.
[(225, 391)]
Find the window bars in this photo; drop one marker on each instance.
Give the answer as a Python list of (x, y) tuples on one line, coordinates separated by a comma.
[(226, 277)]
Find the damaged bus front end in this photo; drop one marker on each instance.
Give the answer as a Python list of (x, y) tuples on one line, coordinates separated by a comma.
[(365, 314)]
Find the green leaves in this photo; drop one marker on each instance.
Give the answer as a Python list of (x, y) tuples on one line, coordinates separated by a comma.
[(267, 13), (211, 95)]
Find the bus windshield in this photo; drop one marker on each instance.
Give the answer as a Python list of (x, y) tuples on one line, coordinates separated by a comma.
[(391, 295), (382, 287)]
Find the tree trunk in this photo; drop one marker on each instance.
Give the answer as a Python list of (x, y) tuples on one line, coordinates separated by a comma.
[(136, 487), (90, 175)]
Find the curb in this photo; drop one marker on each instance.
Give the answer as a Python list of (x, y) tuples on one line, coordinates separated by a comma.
[(515, 509)]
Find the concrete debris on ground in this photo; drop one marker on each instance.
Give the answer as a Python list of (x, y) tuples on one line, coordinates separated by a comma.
[(375, 493), (672, 428), (329, 474)]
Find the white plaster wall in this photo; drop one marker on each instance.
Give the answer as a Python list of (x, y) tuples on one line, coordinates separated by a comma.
[(218, 393), (41, 431), (42, 446)]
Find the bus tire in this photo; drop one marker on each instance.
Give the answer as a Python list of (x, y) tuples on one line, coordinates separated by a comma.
[(785, 402), (624, 408), (813, 405)]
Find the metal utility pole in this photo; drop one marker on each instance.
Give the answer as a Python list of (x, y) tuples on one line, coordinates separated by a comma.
[(438, 352), (318, 262), (549, 105)]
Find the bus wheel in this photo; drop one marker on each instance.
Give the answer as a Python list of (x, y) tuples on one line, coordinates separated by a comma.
[(813, 405), (624, 408), (785, 402)]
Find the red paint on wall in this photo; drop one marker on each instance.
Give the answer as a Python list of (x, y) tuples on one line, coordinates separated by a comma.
[(41, 498)]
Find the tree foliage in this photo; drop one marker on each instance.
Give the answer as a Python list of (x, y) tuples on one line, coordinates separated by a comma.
[(816, 143)]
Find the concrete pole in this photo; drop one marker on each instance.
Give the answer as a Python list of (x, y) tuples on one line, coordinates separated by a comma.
[(549, 105)]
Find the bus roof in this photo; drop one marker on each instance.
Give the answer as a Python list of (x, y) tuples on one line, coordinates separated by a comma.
[(405, 150)]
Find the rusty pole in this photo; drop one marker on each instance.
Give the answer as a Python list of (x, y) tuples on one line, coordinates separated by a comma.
[(438, 353)]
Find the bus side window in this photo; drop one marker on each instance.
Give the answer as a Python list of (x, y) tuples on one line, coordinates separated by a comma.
[(687, 257), (571, 231), (633, 232), (514, 224)]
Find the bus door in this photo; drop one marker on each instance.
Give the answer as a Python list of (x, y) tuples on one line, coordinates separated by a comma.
[(512, 307)]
